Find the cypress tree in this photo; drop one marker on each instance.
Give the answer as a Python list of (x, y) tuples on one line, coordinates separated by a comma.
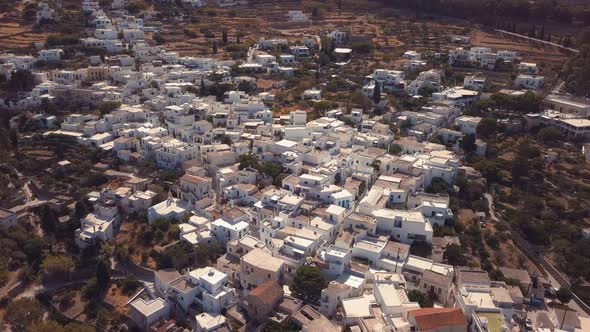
[(377, 93)]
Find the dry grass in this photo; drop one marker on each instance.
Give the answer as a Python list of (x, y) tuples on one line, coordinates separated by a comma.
[(116, 299)]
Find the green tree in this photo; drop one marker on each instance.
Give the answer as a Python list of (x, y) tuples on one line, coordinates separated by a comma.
[(22, 313), (14, 138), (417, 296), (395, 149), (487, 128), (129, 285), (3, 274), (159, 39), (91, 290), (121, 253), (103, 273), (467, 143), (214, 47), (224, 36), (520, 169), (358, 98), (362, 188), (248, 160), (308, 283), (21, 80), (364, 47), (489, 170), (576, 72), (57, 265), (168, 176), (203, 89), (135, 7), (455, 255), (550, 135), (4, 139), (80, 209), (108, 106), (564, 296), (437, 186), (48, 220), (377, 93)]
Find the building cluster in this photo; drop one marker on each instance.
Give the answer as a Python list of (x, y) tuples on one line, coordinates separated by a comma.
[(488, 59), (568, 114), (351, 199), (430, 81)]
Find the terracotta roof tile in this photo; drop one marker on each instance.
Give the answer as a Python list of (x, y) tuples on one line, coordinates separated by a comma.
[(428, 319), (268, 292), (193, 179)]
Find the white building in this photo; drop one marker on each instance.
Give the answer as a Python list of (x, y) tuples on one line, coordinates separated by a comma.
[(44, 13), (194, 188), (172, 208), (530, 82), (51, 56), (209, 323), (98, 225), (312, 94), (232, 226), (214, 294), (389, 80), (296, 16), (337, 36), (457, 96), (569, 105), (259, 266), (467, 124), (528, 68), (145, 313), (473, 82), (403, 226)]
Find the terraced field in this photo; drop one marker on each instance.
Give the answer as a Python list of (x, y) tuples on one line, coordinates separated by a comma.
[(13, 35)]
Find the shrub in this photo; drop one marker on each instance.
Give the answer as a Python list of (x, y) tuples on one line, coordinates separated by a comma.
[(129, 285), (550, 135), (362, 47), (55, 40)]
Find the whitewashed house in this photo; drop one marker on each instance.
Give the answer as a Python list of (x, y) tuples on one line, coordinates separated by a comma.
[(530, 82), (51, 55)]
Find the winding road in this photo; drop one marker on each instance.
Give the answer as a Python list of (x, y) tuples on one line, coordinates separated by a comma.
[(556, 278)]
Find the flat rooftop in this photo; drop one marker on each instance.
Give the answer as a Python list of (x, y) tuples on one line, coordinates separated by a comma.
[(263, 260)]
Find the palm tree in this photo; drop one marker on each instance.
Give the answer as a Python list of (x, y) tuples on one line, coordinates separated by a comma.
[(564, 296)]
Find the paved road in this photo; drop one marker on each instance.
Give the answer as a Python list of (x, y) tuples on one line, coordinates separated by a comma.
[(556, 279), (34, 290), (538, 41), (141, 274)]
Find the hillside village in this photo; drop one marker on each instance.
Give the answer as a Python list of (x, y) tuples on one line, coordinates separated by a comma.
[(287, 187)]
